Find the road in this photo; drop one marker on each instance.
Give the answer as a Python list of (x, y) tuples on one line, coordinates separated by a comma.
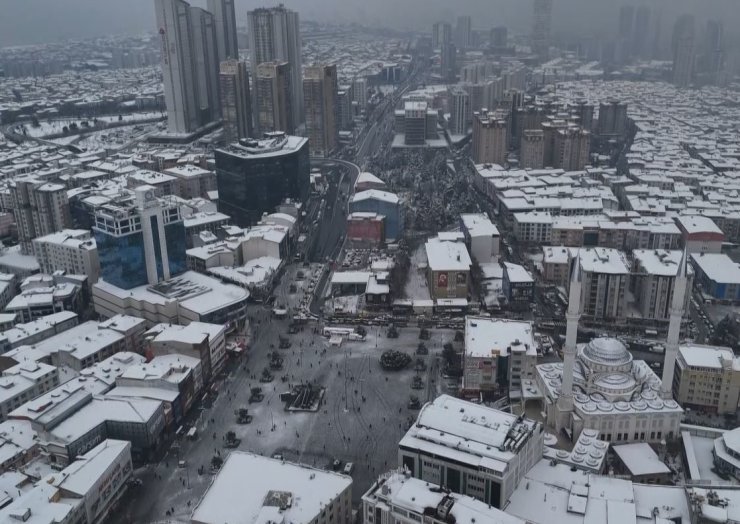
[(364, 415)]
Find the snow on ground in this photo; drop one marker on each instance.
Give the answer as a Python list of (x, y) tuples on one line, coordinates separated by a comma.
[(416, 285), (52, 127), (703, 447), (345, 427), (115, 138)]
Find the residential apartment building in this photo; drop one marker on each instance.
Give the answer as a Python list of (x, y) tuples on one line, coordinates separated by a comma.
[(571, 149), (320, 105), (236, 100), (40, 208), (653, 279), (490, 137), (707, 378), (532, 153), (274, 36), (274, 98), (71, 250), (605, 274)]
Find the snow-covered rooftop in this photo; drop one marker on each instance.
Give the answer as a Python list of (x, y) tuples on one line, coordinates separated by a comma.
[(447, 256), (467, 433), (238, 495), (640, 459), (479, 225), (718, 267), (489, 337)]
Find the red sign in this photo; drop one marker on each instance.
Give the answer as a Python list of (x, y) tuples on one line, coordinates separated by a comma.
[(442, 279)]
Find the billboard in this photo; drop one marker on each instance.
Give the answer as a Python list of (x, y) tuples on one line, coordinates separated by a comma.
[(442, 279)]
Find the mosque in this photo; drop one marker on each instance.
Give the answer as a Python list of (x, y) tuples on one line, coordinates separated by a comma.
[(599, 386)]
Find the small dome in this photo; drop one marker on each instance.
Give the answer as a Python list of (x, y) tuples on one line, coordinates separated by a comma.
[(609, 351)]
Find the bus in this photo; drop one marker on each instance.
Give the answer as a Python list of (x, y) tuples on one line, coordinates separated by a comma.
[(337, 331)]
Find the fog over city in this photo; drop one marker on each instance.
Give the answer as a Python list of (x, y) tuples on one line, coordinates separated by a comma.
[(38, 21)]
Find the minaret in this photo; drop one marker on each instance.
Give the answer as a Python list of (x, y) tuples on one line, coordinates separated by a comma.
[(565, 400), (674, 327)]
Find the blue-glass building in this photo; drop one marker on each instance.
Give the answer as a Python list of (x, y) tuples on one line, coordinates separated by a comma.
[(255, 176), (382, 203), (140, 240)]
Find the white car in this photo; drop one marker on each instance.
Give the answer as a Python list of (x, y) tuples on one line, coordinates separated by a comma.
[(349, 467)]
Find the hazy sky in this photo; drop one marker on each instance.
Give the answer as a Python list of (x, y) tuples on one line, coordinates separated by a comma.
[(32, 21)]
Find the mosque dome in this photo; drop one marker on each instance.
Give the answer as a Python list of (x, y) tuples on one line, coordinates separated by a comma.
[(603, 354)]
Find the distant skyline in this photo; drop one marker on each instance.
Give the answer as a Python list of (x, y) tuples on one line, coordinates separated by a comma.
[(41, 21)]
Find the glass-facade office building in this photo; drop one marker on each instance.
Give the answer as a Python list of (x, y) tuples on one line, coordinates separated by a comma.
[(254, 177), (121, 247)]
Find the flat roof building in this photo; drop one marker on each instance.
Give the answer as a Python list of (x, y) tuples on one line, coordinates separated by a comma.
[(281, 492), (471, 449), (707, 378), (255, 176), (482, 237), (700, 234), (653, 279), (190, 297), (718, 275), (499, 354), (397, 497)]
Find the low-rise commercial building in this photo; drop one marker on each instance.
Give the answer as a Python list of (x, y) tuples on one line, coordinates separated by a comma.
[(448, 271), (365, 228), (138, 421), (29, 333), (84, 345), (641, 463), (24, 382), (174, 379), (198, 340), (399, 498), (189, 297), (471, 449), (47, 410), (41, 295), (718, 275), (382, 203), (18, 444), (518, 285), (281, 492), (84, 492)]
